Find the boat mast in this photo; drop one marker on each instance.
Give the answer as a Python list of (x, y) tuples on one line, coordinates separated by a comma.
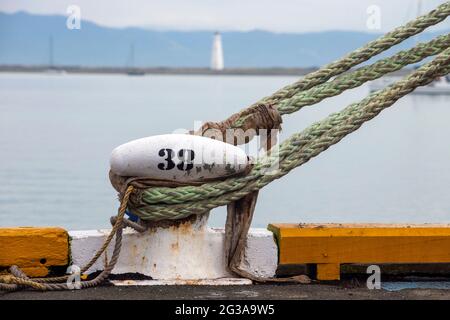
[(131, 57), (50, 52)]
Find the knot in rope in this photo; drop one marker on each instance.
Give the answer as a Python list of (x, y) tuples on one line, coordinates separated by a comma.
[(241, 127)]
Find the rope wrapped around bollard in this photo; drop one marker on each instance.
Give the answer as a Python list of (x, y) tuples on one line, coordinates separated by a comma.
[(154, 201)]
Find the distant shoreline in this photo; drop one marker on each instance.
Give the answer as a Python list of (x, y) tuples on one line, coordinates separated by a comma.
[(157, 70), (276, 71)]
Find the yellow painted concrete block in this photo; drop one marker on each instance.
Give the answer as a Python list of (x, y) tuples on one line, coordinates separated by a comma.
[(34, 249), (328, 245)]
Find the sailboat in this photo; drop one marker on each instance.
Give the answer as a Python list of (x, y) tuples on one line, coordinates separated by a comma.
[(51, 68), (440, 86), (132, 70)]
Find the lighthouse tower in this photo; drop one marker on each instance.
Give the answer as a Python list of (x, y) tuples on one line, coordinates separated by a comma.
[(217, 53)]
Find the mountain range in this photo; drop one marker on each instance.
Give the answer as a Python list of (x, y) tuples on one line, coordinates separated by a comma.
[(27, 39)]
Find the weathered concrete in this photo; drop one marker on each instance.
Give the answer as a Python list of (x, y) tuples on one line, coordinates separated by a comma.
[(190, 251), (299, 292)]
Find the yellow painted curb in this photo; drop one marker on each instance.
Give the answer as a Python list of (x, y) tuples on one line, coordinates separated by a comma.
[(34, 250), (330, 245)]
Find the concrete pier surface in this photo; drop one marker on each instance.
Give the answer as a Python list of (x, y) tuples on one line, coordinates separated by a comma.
[(342, 291)]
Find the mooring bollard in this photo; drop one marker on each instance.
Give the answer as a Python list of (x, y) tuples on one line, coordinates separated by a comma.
[(177, 244), (187, 250)]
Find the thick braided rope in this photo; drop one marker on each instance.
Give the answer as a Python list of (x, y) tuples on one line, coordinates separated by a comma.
[(351, 80), (316, 78), (358, 56), (362, 54), (364, 74), (296, 151)]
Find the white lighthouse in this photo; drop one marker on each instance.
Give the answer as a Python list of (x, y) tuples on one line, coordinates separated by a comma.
[(217, 53)]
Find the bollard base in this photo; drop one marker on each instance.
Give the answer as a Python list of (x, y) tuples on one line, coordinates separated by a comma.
[(188, 251)]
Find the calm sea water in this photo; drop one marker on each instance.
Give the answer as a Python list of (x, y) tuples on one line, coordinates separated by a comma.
[(57, 132)]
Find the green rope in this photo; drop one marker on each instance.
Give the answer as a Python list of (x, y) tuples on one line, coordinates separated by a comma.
[(311, 96), (363, 75), (360, 55), (158, 203), (301, 147)]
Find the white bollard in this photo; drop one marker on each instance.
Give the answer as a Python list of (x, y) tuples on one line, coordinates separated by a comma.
[(188, 251)]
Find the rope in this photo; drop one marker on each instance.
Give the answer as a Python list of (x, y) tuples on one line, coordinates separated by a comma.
[(295, 151), (18, 280), (210, 190), (360, 55), (364, 74)]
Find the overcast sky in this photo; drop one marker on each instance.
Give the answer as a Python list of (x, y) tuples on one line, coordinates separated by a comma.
[(272, 15)]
